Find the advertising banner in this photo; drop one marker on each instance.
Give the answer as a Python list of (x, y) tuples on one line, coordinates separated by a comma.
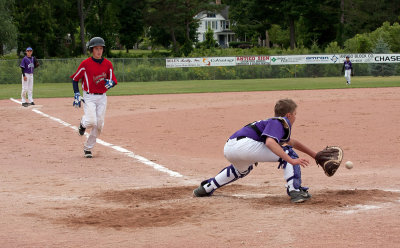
[(386, 58), (253, 60), (283, 60), (199, 62)]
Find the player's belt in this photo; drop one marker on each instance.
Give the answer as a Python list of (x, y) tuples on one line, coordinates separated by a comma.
[(94, 93)]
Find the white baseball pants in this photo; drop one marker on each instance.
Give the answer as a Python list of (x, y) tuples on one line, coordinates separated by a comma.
[(245, 152), (93, 118), (27, 87), (347, 74)]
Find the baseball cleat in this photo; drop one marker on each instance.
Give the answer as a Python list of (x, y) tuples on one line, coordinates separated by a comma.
[(32, 103), (201, 191), (81, 129), (25, 104), (299, 196), (88, 154)]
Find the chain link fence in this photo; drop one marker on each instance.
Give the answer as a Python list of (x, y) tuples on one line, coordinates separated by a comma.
[(153, 69)]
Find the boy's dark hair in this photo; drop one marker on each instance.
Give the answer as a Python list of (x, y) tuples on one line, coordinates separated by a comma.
[(284, 106)]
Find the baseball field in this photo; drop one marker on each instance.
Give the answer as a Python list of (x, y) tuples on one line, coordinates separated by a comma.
[(156, 148)]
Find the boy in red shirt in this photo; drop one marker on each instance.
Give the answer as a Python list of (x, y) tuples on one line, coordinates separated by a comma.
[(97, 74)]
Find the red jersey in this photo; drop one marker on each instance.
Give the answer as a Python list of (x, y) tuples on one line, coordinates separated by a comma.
[(93, 75)]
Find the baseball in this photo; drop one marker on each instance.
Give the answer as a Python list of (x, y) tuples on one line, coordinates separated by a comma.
[(349, 165)]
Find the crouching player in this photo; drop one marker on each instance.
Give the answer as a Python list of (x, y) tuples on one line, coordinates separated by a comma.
[(263, 141)]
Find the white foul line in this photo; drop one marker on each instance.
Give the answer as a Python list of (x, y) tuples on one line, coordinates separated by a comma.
[(128, 153)]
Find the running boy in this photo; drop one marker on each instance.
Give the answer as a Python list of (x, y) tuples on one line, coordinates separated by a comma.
[(97, 76), (263, 141)]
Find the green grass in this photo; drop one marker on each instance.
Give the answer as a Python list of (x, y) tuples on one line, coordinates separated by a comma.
[(46, 90)]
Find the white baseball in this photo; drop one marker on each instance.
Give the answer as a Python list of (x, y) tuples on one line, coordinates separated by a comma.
[(349, 165)]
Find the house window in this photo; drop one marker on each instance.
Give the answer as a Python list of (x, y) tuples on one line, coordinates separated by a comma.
[(222, 25), (212, 15), (214, 24), (227, 25)]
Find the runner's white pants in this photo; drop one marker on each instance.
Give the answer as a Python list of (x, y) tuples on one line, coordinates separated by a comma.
[(93, 118), (27, 87)]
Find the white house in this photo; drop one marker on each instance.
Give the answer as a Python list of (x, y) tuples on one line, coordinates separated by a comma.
[(219, 23)]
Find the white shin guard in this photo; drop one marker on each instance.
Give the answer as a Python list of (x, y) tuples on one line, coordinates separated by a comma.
[(225, 176), (292, 176)]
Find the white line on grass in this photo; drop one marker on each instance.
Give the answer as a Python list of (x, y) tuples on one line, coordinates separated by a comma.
[(120, 149)]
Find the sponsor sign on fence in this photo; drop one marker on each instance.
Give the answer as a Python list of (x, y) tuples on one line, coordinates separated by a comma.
[(199, 62), (253, 60), (283, 60)]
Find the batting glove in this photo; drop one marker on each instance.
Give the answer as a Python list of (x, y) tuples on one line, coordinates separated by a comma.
[(109, 84), (77, 100)]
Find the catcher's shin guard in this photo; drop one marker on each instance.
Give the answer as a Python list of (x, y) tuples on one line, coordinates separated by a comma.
[(225, 176), (293, 177)]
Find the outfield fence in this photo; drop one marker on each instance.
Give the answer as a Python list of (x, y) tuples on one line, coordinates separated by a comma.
[(154, 69)]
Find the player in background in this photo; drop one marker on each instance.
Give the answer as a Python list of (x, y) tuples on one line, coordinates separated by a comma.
[(27, 65), (348, 70), (97, 75), (262, 141)]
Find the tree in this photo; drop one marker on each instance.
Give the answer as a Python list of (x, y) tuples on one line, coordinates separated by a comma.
[(319, 22), (38, 26), (251, 17), (35, 23), (382, 69), (209, 42), (175, 18), (64, 43), (8, 31), (362, 16), (131, 20), (102, 21), (82, 13)]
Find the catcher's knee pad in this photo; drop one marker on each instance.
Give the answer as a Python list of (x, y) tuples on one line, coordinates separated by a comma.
[(289, 151), (246, 172)]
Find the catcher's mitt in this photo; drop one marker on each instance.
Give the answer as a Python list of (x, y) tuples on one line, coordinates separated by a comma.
[(330, 159)]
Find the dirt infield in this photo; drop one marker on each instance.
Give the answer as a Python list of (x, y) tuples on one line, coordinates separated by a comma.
[(50, 196)]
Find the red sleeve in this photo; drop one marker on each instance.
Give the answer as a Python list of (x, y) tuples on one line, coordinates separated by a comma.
[(79, 73)]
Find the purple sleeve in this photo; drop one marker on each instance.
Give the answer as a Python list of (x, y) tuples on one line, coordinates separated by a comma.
[(23, 64), (274, 129)]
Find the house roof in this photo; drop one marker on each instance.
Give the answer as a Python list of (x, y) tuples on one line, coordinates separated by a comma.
[(224, 13)]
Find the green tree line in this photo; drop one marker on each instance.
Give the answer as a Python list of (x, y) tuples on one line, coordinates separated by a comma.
[(62, 28)]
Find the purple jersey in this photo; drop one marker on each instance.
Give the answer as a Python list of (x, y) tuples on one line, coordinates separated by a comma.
[(347, 65), (27, 64), (277, 128)]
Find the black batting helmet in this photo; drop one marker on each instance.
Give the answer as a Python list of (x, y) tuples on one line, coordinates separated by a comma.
[(96, 41)]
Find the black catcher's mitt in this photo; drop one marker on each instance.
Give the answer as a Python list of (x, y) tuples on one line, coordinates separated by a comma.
[(330, 159)]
